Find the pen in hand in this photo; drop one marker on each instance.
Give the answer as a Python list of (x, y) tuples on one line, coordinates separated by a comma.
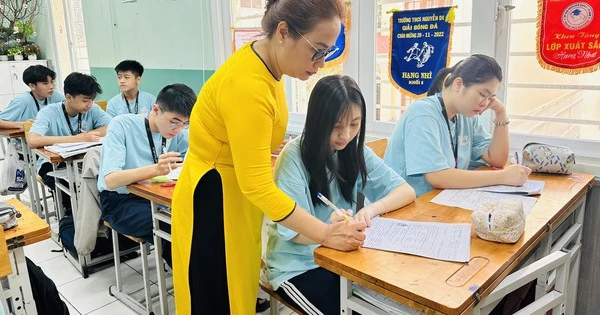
[(517, 157), (164, 148), (332, 206)]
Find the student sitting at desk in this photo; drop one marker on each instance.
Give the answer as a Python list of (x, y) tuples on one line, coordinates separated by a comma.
[(140, 147), (25, 107), (329, 158), (131, 100), (77, 119), (441, 136)]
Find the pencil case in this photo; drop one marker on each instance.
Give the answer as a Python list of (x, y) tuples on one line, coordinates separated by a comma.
[(499, 221), (546, 158)]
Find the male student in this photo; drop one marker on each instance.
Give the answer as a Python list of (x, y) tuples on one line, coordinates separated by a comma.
[(25, 107), (131, 100), (140, 147), (77, 119)]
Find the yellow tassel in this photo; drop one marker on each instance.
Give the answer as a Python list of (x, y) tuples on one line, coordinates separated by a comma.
[(451, 14), (392, 10)]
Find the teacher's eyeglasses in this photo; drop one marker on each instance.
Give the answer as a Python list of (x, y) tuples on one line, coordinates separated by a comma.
[(319, 53)]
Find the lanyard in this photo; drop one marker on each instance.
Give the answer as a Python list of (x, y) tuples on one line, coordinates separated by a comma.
[(151, 141), (69, 122), (136, 102), (36, 101), (453, 141)]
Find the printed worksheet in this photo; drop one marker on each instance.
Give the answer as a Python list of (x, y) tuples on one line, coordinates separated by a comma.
[(444, 241), (470, 199)]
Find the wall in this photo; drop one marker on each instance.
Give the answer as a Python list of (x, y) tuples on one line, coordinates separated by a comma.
[(171, 39)]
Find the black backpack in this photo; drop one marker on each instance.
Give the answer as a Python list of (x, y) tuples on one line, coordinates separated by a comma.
[(66, 234), (46, 297)]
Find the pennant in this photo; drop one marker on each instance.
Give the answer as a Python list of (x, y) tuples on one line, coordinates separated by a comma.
[(420, 43), (568, 35)]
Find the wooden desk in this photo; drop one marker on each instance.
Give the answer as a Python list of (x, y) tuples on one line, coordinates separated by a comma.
[(31, 229), (421, 282), (12, 133)]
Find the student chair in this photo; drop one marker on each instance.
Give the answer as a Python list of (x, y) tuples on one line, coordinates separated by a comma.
[(130, 301), (44, 199), (378, 146), (102, 104), (275, 299)]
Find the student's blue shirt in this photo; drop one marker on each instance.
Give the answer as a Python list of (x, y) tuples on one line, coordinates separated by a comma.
[(420, 143), (126, 146), (287, 259), (22, 107), (51, 121), (118, 106)]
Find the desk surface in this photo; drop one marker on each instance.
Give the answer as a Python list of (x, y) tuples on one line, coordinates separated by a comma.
[(5, 268), (55, 158), (31, 228), (421, 282), (12, 133), (160, 195)]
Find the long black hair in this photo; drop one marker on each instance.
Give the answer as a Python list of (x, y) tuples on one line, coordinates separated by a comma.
[(331, 99)]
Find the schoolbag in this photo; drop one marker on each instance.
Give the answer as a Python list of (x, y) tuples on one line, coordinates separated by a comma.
[(66, 234), (46, 297)]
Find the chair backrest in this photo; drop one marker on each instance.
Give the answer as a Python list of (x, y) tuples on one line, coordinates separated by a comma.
[(26, 127), (378, 146), (102, 104)]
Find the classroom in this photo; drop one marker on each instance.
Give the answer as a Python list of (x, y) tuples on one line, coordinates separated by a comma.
[(299, 157)]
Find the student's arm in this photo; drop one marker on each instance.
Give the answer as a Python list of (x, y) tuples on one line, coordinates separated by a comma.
[(100, 131), (121, 178), (12, 124), (514, 175), (387, 189), (497, 153)]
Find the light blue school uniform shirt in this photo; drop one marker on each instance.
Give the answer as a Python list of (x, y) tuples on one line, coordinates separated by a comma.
[(420, 143), (51, 121), (287, 259), (118, 105), (126, 146), (22, 107)]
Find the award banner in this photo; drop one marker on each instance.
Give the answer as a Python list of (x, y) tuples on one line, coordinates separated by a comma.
[(420, 42), (568, 35)]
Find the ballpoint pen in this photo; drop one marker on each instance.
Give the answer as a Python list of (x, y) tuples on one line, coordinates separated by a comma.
[(168, 164), (517, 157), (336, 209)]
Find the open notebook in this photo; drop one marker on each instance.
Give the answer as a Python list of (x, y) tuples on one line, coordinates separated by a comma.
[(71, 149)]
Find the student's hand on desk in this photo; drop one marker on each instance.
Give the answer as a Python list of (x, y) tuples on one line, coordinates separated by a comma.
[(345, 236), (90, 136), (173, 158), (335, 217), (365, 214), (515, 175)]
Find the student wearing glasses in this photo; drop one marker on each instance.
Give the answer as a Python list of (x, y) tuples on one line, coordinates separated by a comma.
[(440, 138), (137, 148), (226, 185)]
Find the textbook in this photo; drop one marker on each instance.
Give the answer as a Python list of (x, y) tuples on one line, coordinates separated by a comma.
[(71, 149)]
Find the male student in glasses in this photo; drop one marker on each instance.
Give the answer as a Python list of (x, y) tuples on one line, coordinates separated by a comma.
[(76, 119), (140, 147), (40, 80), (131, 100)]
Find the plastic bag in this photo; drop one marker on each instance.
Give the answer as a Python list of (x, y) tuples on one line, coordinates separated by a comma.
[(12, 173)]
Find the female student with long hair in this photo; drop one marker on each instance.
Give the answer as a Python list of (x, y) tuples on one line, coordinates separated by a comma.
[(441, 136), (329, 158), (226, 184)]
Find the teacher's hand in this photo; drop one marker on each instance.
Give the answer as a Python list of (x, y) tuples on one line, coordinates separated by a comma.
[(345, 236)]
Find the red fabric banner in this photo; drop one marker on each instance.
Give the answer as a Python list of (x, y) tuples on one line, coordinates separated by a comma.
[(568, 35)]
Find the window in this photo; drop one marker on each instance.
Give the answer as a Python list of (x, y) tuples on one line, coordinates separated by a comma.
[(543, 102), (253, 4), (390, 103)]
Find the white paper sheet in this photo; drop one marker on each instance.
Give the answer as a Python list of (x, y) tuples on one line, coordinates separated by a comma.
[(444, 241), (470, 199), (383, 302), (531, 187)]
